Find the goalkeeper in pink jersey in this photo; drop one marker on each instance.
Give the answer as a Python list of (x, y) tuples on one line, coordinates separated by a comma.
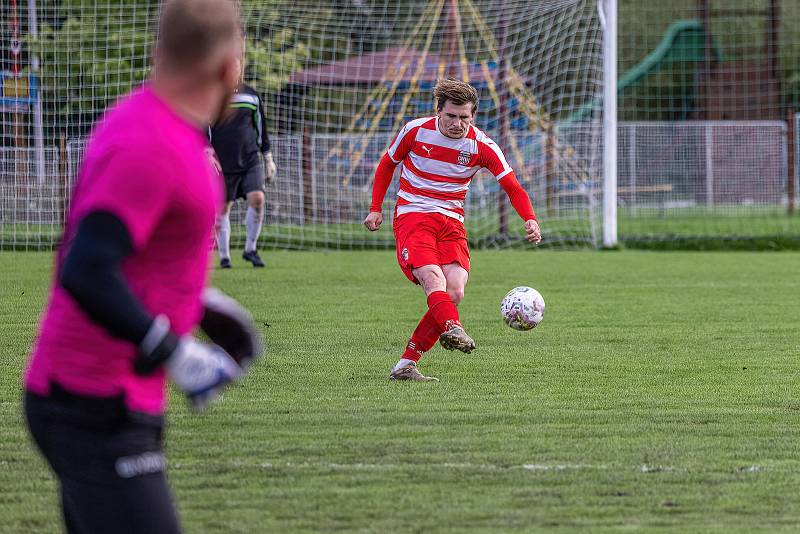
[(439, 156), (130, 281)]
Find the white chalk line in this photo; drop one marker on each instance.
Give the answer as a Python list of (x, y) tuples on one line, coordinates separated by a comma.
[(468, 466)]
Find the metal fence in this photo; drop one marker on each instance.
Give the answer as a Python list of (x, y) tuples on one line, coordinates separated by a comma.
[(713, 174), (284, 198), (684, 164)]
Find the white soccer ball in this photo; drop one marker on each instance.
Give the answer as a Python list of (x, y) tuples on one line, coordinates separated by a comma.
[(522, 308)]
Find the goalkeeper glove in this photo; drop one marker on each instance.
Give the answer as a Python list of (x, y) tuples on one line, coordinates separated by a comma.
[(198, 369), (211, 155), (270, 169), (229, 325)]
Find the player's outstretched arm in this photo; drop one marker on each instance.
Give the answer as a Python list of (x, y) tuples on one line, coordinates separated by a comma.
[(532, 231), (229, 325), (522, 204), (383, 177), (91, 273)]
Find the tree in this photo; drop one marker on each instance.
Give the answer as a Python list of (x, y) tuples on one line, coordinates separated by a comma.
[(91, 53)]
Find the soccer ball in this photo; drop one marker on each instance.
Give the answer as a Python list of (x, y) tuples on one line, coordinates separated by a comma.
[(522, 308)]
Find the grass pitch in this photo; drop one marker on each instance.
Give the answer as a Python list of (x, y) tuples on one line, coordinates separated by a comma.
[(661, 391)]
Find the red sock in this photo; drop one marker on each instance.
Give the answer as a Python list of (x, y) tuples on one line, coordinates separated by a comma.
[(442, 308), (423, 338)]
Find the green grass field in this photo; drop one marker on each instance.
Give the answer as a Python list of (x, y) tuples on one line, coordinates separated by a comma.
[(660, 392)]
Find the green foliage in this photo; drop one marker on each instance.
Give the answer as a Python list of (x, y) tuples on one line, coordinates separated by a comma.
[(91, 54), (90, 58), (668, 96), (271, 54)]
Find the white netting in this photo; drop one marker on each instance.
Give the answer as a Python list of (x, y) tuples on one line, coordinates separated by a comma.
[(368, 67), (698, 178), (706, 90), (77, 58), (338, 80)]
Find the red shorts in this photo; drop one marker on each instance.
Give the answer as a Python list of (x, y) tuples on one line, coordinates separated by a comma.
[(429, 239)]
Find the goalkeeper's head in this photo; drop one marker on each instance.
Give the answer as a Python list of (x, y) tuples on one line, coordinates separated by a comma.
[(198, 52)]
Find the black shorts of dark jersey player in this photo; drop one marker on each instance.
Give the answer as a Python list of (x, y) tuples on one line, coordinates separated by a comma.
[(238, 185)]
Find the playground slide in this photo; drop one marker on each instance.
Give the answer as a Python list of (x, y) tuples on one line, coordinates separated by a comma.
[(684, 41)]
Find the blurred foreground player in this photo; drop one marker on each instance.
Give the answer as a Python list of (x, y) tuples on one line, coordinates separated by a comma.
[(439, 157), (130, 285)]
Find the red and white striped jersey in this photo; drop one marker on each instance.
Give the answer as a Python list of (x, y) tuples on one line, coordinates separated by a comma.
[(437, 170)]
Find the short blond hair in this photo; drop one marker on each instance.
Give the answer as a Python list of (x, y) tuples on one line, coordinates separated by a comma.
[(457, 92), (192, 32)]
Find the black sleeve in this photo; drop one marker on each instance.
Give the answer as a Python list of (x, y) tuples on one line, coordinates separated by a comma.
[(265, 145), (91, 275)]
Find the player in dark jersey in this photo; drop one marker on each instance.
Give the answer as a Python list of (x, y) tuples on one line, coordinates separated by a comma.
[(242, 145)]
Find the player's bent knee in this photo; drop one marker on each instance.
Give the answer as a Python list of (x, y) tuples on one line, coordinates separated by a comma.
[(255, 200), (456, 295)]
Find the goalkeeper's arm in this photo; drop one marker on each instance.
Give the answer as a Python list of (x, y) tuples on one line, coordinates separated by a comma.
[(91, 274), (270, 168)]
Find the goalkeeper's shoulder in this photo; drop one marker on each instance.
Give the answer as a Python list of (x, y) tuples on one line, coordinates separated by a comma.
[(247, 89)]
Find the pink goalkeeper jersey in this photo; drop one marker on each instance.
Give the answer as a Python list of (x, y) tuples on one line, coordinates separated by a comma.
[(145, 165)]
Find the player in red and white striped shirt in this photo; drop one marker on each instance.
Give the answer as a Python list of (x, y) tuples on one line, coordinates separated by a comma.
[(439, 156)]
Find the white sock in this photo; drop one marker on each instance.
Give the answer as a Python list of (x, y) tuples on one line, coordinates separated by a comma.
[(224, 237), (402, 363), (252, 224)]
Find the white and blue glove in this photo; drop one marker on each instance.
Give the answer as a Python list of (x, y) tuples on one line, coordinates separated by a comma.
[(229, 325), (200, 370), (270, 169)]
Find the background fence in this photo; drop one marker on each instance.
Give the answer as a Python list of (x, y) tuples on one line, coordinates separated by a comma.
[(676, 181), (706, 88)]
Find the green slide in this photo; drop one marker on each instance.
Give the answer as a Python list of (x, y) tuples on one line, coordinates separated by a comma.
[(684, 41)]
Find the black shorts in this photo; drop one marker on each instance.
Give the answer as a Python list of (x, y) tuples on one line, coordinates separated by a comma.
[(108, 461), (239, 184)]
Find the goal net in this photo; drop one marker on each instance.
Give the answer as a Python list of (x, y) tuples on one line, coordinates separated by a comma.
[(707, 143), (371, 66), (338, 80)]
